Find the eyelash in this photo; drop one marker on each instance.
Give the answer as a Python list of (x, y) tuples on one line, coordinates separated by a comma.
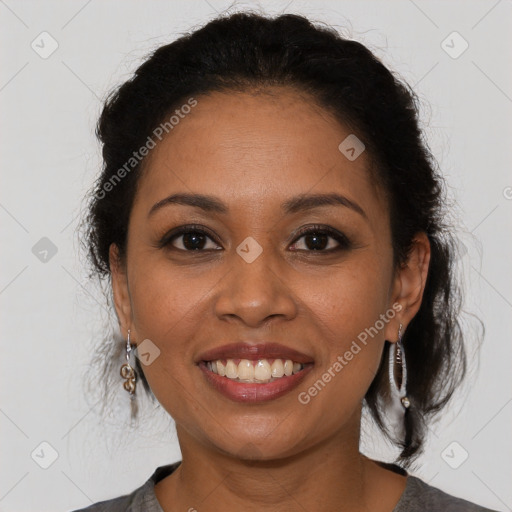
[(343, 241)]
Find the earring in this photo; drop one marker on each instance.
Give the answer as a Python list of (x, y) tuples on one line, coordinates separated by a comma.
[(397, 358), (127, 372), (396, 402)]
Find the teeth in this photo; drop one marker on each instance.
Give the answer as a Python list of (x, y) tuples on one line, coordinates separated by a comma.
[(277, 368), (254, 371), (262, 370), (231, 369), (245, 370)]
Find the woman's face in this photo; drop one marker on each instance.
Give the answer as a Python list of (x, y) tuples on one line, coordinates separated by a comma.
[(318, 295)]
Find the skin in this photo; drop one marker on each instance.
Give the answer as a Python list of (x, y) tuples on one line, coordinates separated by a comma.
[(253, 152)]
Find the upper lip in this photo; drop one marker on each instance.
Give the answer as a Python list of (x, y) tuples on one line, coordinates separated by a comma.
[(254, 351)]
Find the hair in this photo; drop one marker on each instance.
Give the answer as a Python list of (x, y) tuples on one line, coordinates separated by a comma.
[(248, 51)]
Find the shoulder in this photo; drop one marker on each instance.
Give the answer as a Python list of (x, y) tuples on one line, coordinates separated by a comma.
[(136, 501), (419, 496), (120, 504), (142, 499)]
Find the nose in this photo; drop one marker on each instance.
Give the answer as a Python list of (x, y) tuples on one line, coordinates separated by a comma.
[(255, 292)]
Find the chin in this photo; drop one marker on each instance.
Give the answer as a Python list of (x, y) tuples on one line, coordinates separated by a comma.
[(251, 446)]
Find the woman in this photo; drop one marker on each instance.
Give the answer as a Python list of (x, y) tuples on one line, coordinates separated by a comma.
[(272, 227)]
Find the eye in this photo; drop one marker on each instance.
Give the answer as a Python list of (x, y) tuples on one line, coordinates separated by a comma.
[(316, 238), (196, 238), (188, 238)]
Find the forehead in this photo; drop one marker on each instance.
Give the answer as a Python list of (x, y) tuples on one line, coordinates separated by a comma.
[(254, 149)]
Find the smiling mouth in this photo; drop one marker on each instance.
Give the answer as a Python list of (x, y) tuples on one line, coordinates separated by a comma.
[(260, 371)]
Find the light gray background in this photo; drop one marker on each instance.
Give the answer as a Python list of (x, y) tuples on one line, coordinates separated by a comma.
[(51, 315)]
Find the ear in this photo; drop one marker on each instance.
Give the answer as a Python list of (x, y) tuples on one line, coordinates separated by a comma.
[(409, 285), (120, 290)]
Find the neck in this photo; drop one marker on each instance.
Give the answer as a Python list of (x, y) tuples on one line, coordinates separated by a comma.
[(288, 484), (333, 473)]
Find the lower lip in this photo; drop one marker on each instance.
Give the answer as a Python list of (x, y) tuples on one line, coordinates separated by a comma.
[(253, 393)]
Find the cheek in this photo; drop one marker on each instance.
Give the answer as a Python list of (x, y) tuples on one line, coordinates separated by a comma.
[(162, 296), (351, 308), (351, 297), (166, 306), (167, 309), (348, 314)]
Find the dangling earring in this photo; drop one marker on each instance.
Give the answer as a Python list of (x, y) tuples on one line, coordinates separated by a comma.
[(396, 353), (127, 372), (397, 403)]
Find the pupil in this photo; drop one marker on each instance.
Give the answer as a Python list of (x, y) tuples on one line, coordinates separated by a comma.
[(317, 239), (193, 241)]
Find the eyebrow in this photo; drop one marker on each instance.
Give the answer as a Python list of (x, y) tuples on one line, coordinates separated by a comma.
[(296, 204)]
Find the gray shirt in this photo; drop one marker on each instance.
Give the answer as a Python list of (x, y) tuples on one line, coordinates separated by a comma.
[(418, 496)]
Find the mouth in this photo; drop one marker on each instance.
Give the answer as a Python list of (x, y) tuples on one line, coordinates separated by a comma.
[(254, 373)]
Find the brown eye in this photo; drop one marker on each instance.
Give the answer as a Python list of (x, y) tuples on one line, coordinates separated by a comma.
[(188, 238), (322, 239)]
